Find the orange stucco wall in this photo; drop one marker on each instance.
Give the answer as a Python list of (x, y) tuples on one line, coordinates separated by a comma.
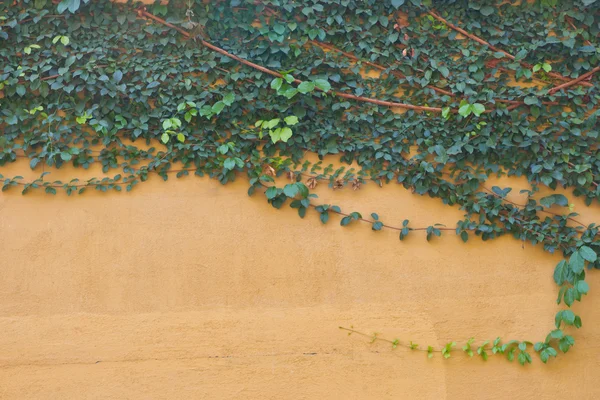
[(190, 289)]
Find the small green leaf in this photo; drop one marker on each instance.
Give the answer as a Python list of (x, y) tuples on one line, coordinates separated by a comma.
[(218, 107), (228, 99), (576, 262), (587, 253), (478, 109), (272, 123), (377, 226), (276, 83), (465, 110), (582, 287), (229, 163), (291, 120), (271, 192), (446, 112), (323, 84), (290, 190), (285, 134), (306, 87)]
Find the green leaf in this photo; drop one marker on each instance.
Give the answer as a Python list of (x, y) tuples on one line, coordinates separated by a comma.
[(290, 190), (271, 192), (530, 100), (228, 99), (569, 297), (478, 109), (272, 123), (291, 120), (306, 87), (558, 199), (181, 137), (487, 10), (275, 135), (520, 55), (218, 107), (444, 71), (576, 262), (278, 28), (568, 317), (223, 149), (285, 134), (587, 253), (446, 112), (377, 226), (229, 163), (560, 272), (64, 40), (302, 190), (323, 84), (397, 3), (71, 5), (21, 90), (65, 156), (276, 83), (465, 110), (117, 76), (582, 287), (291, 92), (164, 138)]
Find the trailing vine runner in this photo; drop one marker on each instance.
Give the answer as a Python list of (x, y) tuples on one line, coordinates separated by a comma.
[(464, 91)]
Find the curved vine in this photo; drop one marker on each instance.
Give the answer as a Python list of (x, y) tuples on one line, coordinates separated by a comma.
[(435, 99)]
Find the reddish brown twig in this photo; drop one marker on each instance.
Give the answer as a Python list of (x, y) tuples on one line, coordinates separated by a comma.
[(570, 22), (211, 46), (483, 42), (376, 66), (574, 81)]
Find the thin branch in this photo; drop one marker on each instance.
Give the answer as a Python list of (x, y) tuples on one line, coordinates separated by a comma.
[(144, 13), (574, 81), (496, 49)]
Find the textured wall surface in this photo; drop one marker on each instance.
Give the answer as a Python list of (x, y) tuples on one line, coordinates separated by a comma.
[(190, 289)]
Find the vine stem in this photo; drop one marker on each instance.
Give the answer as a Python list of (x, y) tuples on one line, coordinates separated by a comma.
[(574, 81), (144, 13), (375, 337), (400, 75), (581, 224), (483, 42), (376, 66)]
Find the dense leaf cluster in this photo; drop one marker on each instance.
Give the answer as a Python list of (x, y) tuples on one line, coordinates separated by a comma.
[(79, 81)]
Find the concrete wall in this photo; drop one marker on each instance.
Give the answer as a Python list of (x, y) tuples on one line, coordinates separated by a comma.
[(190, 289)]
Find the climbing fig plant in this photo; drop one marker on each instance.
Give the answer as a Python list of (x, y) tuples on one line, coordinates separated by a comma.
[(434, 96)]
